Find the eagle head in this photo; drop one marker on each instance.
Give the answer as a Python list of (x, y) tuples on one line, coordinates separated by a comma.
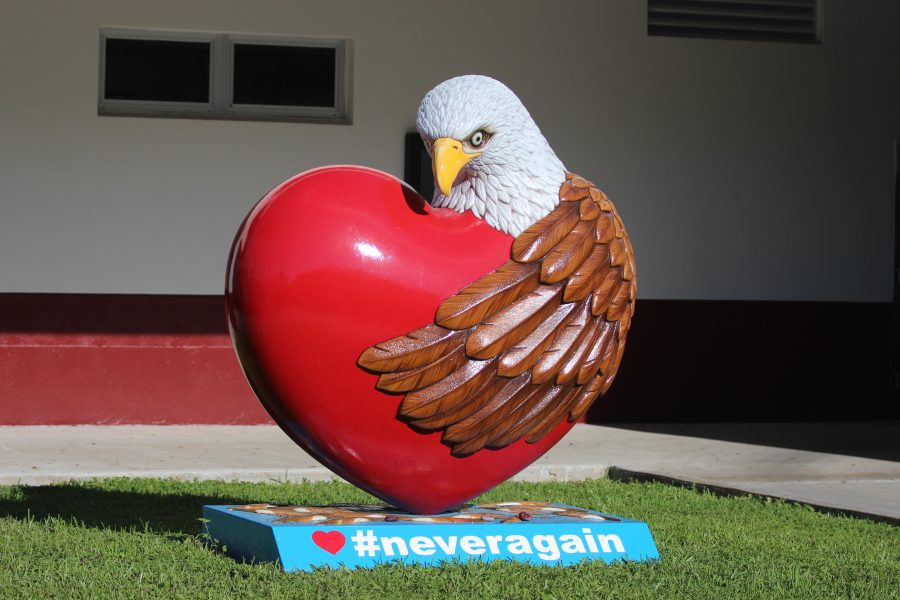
[(488, 155)]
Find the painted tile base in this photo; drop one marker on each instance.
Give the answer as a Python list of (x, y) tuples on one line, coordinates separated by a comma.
[(307, 537)]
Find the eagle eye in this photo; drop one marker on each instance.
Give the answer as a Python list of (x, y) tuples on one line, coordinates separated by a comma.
[(478, 138)]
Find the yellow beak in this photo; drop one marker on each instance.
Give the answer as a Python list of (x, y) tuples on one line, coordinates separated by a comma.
[(448, 159)]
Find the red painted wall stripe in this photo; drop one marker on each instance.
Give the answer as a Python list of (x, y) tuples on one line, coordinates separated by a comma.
[(69, 359)]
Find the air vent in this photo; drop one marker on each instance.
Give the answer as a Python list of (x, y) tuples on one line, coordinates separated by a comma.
[(762, 20)]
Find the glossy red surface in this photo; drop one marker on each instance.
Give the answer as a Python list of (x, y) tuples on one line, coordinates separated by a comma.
[(327, 264)]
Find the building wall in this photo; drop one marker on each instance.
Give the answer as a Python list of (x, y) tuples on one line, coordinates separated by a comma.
[(756, 172), (752, 171)]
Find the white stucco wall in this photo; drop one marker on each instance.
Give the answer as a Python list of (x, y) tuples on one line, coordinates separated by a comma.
[(743, 170)]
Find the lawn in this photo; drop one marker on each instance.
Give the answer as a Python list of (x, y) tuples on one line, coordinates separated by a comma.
[(140, 538)]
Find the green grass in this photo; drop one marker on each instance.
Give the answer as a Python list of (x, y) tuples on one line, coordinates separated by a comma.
[(139, 538)]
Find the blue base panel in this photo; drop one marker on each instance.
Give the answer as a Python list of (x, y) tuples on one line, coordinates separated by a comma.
[(540, 533)]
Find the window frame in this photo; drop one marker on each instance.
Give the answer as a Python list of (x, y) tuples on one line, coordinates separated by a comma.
[(269, 111), (160, 108), (221, 80)]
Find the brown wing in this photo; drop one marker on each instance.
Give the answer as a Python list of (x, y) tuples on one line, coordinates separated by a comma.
[(514, 353)]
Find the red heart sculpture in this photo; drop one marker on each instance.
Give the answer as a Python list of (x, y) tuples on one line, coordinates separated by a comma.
[(329, 541), (329, 263)]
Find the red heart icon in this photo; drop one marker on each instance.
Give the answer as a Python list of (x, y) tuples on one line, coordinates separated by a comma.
[(329, 263), (329, 541)]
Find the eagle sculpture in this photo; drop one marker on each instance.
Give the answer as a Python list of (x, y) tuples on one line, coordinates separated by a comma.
[(537, 340)]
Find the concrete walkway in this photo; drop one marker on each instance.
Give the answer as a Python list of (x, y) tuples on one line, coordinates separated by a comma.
[(845, 466)]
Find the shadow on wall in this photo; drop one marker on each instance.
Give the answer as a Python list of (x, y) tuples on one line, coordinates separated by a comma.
[(112, 314), (728, 361)]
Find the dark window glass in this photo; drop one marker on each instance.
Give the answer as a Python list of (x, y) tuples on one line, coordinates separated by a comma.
[(284, 75), (764, 20), (157, 70)]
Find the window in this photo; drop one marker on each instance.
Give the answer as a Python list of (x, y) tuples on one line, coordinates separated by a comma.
[(759, 20), (154, 70), (223, 76)]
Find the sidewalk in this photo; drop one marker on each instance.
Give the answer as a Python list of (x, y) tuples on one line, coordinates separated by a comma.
[(844, 466)]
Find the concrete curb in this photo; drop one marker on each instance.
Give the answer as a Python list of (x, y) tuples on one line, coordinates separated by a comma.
[(626, 475), (841, 468), (531, 474), (248, 475)]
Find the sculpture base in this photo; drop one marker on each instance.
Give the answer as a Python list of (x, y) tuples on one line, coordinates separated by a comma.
[(307, 537)]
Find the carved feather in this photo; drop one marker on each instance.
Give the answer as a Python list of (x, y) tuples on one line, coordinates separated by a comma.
[(618, 304), (413, 379), (464, 408), (604, 293), (541, 410), (469, 447), (573, 193), (580, 351), (486, 296), (522, 356), (617, 224), (438, 397), (601, 200), (617, 255), (516, 410), (586, 396), (613, 368), (515, 352), (588, 210), (498, 407), (536, 241), (605, 231), (625, 320), (513, 323), (608, 356), (416, 349), (551, 361), (628, 270), (567, 255), (592, 361), (582, 281), (520, 421), (553, 415), (580, 182)]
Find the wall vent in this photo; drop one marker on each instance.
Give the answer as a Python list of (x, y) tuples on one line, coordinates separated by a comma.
[(762, 20)]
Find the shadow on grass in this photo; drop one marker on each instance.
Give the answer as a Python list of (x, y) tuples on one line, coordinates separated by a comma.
[(123, 510)]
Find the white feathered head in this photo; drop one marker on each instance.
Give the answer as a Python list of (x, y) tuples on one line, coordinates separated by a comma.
[(488, 155)]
